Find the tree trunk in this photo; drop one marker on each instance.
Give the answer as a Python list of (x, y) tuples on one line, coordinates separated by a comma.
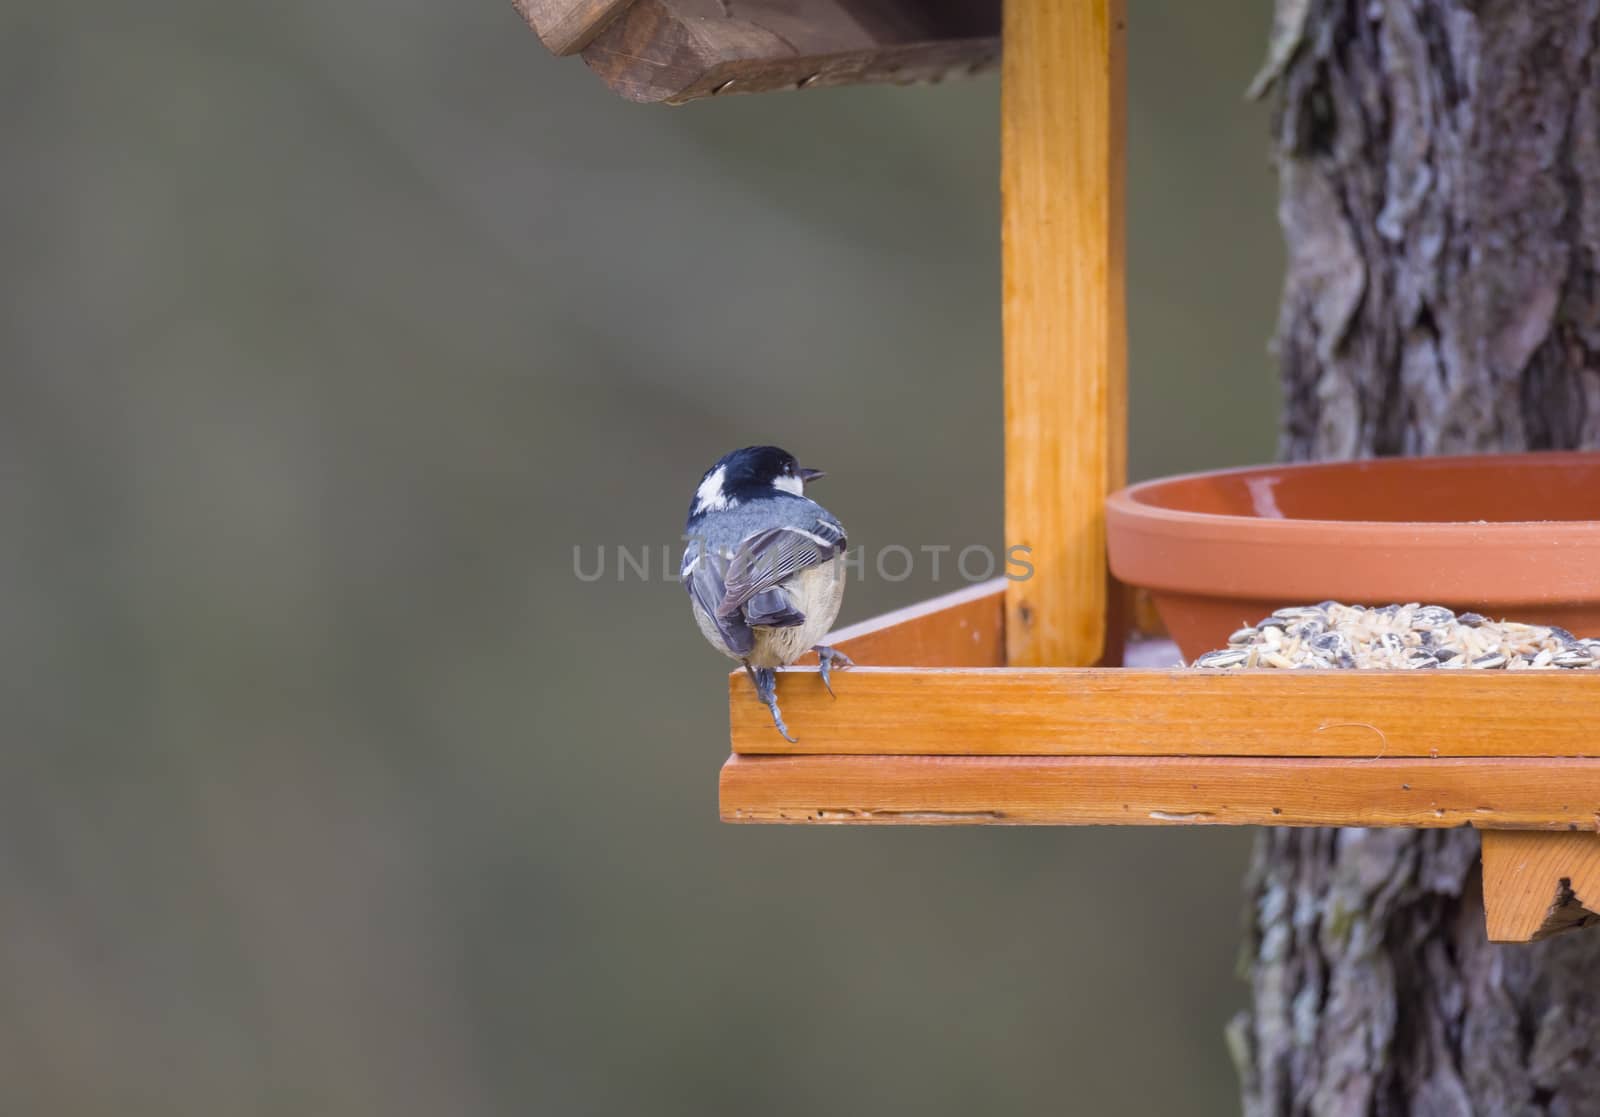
[(1440, 199)]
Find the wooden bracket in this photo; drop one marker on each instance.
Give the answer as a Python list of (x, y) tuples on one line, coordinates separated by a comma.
[(1538, 885)]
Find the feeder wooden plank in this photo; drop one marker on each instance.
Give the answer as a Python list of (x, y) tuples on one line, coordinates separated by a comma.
[(1061, 180), (680, 50), (1085, 712), (1528, 793)]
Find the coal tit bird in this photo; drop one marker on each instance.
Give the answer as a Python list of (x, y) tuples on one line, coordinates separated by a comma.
[(764, 566)]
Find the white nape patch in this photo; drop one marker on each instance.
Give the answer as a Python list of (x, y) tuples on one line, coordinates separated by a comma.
[(710, 496), (790, 485)]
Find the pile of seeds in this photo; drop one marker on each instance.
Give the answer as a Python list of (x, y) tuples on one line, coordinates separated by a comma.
[(1399, 636)]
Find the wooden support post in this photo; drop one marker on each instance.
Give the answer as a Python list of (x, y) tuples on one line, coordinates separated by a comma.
[(1537, 885), (1062, 184)]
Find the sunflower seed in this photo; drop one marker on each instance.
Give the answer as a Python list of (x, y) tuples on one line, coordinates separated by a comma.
[(1433, 616), (1229, 658)]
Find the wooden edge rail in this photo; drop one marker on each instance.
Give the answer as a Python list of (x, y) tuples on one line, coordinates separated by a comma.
[(1533, 793), (1124, 712)]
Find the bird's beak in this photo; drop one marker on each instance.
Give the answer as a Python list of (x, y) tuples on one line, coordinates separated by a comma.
[(811, 474)]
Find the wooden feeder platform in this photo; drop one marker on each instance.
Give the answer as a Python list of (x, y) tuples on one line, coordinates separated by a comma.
[(981, 707), (950, 735)]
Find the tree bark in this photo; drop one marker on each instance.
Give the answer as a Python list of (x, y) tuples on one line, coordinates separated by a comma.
[(1439, 164)]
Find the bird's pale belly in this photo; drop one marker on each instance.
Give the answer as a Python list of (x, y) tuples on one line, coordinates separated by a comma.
[(817, 591)]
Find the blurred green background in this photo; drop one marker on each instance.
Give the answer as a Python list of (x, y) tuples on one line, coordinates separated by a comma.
[(329, 331)]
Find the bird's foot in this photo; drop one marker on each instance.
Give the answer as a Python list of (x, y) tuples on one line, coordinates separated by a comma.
[(766, 682), (826, 658)]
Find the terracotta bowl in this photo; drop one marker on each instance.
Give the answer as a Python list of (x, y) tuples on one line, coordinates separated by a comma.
[(1512, 536)]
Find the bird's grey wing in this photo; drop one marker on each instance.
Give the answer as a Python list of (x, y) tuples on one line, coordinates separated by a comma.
[(771, 609), (703, 572), (771, 557)]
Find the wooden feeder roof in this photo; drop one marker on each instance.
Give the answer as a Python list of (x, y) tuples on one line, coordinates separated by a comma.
[(679, 50)]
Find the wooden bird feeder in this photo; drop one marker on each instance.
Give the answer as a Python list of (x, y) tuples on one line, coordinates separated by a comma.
[(1001, 704)]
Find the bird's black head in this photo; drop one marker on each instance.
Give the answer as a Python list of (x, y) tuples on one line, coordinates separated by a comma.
[(743, 475)]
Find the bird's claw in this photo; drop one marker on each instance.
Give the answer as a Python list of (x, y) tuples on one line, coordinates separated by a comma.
[(826, 658), (766, 682)]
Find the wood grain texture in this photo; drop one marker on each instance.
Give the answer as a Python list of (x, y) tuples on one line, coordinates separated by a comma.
[(1538, 885), (1062, 160), (1090, 711), (675, 51), (961, 629), (567, 26), (1533, 794)]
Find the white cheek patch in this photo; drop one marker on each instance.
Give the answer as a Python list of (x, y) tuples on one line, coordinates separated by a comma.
[(709, 497), (790, 485)]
